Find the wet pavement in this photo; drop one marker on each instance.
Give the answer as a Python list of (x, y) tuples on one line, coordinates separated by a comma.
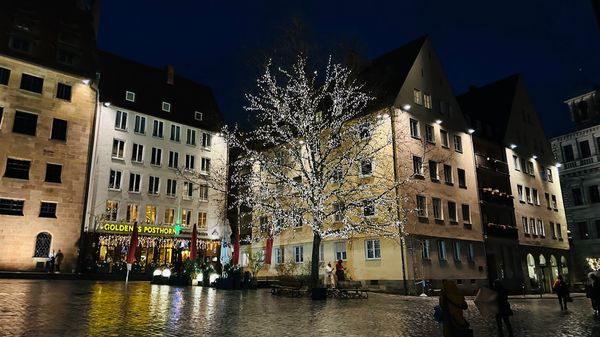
[(84, 308)]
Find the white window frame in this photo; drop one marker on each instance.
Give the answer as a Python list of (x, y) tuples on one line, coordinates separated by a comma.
[(340, 251), (442, 254), (190, 162), (525, 223), (173, 160), (177, 134), (298, 254), (369, 204), (372, 249), (427, 101), (166, 106), (448, 178), (439, 208), (204, 165), (468, 219), (430, 134), (190, 137), (517, 163), (426, 252), (421, 212), (528, 195), (417, 169), (206, 140), (520, 193), (135, 178), (415, 132), (130, 96), (532, 228), (203, 191), (171, 188), (188, 190), (198, 116), (444, 140), (338, 212), (121, 120), (278, 256), (139, 126), (417, 96), (158, 129), (156, 156), (120, 148), (153, 185), (137, 153), (458, 144), (365, 130), (536, 196), (541, 230), (115, 184)]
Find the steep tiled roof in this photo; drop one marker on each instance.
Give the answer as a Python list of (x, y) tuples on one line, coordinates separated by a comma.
[(150, 86)]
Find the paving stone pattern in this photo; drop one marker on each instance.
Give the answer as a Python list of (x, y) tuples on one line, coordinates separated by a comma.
[(83, 308)]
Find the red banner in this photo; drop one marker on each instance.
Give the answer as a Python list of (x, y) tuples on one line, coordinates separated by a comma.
[(133, 243), (269, 250)]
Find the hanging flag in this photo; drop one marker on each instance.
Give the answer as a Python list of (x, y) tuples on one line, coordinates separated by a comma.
[(268, 250), (133, 243), (236, 248), (194, 244)]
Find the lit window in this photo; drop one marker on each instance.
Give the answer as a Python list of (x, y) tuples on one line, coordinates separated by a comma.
[(418, 96), (118, 149), (169, 216), (112, 210), (132, 213), (150, 217), (427, 100), (202, 220)]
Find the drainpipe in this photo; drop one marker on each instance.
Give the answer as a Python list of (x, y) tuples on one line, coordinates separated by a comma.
[(398, 212)]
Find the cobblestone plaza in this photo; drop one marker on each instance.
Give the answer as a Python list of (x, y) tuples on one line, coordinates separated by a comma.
[(81, 308)]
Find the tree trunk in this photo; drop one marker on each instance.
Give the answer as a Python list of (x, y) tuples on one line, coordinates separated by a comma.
[(314, 267)]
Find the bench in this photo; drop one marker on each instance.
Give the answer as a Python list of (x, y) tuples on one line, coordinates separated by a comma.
[(350, 289), (287, 287)]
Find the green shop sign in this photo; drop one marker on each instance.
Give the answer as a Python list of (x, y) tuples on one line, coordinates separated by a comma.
[(142, 229)]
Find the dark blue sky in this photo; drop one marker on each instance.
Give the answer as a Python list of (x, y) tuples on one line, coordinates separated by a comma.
[(217, 42)]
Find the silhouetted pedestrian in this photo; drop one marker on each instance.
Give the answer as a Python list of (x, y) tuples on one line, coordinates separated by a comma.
[(561, 289), (59, 259), (504, 310), (593, 292)]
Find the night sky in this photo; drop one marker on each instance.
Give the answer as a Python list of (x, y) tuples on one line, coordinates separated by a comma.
[(218, 43)]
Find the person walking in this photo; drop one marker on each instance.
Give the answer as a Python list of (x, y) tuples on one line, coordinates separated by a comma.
[(329, 275), (51, 262), (59, 259), (504, 310), (453, 303), (561, 289), (339, 271), (593, 292)]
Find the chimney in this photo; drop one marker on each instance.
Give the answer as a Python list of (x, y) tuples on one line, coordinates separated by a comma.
[(170, 74)]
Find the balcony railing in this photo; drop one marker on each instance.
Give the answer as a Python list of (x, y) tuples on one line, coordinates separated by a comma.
[(582, 162), (494, 196), (491, 164), (501, 231)]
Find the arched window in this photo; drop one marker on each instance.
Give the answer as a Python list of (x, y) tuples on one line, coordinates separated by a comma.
[(531, 270), (564, 266), (42, 245), (542, 260), (554, 267)]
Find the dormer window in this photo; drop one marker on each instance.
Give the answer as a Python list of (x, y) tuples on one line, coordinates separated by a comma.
[(198, 116), (130, 96), (166, 106)]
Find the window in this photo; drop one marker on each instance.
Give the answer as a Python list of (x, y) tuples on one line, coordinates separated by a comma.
[(429, 134), (53, 173), (59, 129), (16, 168), (528, 194), (368, 208), (444, 138), (540, 228), (134, 182), (156, 158), (456, 251), (340, 251), (114, 180), (171, 188), (520, 192), (63, 91), (205, 165), (366, 167), (278, 252), (421, 206), (48, 210), (188, 190), (190, 137), (466, 213), (427, 100), (203, 192), (153, 185), (462, 180), (186, 217), (166, 106), (547, 197), (594, 195), (517, 163), (536, 197), (198, 116), (417, 166), (584, 149), (132, 213), (175, 133), (206, 140), (121, 120), (584, 233), (11, 206), (524, 166), (553, 230), (433, 170), (532, 228), (137, 153), (157, 129), (32, 83), (448, 174), (118, 149), (365, 130), (549, 174), (189, 162), (458, 143), (173, 159), (577, 197), (471, 252), (558, 231), (4, 76), (112, 209), (452, 211), (530, 168), (437, 208), (130, 96), (418, 98), (202, 220), (298, 254), (140, 125), (150, 216), (42, 245), (554, 203), (373, 249), (414, 129), (169, 216), (25, 123), (425, 252), (525, 225), (441, 250), (338, 212)]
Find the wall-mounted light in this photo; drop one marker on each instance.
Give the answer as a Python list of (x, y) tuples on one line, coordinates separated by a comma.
[(106, 104), (471, 131), (513, 146), (438, 121), (86, 81), (558, 164), (534, 157), (406, 107)]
